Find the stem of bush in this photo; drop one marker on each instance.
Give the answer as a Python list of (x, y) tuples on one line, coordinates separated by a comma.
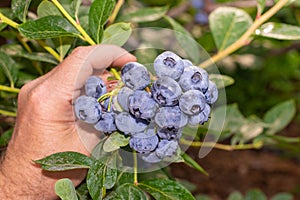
[(225, 147), (8, 113), (9, 89), (115, 73), (49, 50), (74, 23), (8, 21), (115, 12), (135, 168), (245, 38)]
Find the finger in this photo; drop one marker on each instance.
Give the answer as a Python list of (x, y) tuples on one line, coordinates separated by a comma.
[(71, 75)]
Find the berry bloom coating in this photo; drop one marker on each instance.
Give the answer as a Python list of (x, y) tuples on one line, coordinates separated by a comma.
[(144, 142), (126, 123), (168, 64), (122, 97), (151, 158), (195, 78), (166, 91), (106, 123), (141, 105), (192, 102), (135, 76), (200, 118), (187, 63), (87, 109), (170, 117), (166, 148), (212, 93), (95, 87)]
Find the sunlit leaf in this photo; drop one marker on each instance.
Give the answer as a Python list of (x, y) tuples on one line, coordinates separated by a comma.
[(115, 141), (260, 6), (130, 191), (117, 34), (20, 8), (279, 31), (145, 14), (221, 80), (65, 189), (47, 8), (228, 24)]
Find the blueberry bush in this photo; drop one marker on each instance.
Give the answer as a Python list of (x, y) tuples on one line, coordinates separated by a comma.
[(172, 98)]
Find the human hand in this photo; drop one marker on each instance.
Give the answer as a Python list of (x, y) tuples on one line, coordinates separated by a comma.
[(46, 123)]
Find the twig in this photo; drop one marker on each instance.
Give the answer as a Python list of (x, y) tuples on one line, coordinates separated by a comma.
[(113, 16)]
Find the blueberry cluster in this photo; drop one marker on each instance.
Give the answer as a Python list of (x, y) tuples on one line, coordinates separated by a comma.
[(152, 112)]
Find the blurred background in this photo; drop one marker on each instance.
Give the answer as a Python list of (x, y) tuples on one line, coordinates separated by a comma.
[(266, 72)]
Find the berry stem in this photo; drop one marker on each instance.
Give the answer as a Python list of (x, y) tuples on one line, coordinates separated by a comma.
[(9, 89), (221, 146), (8, 21), (86, 37), (115, 73), (135, 168), (246, 37), (49, 50)]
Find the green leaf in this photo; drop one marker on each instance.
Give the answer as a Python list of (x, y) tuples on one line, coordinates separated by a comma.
[(164, 189), (235, 196), (221, 80), (8, 66), (111, 173), (279, 31), (47, 8), (95, 179), (115, 141), (282, 196), (98, 15), (186, 41), (15, 50), (130, 191), (255, 194), (65, 161), (192, 163), (280, 116), (83, 192), (48, 27), (5, 137), (74, 8), (20, 8), (117, 34), (98, 152), (65, 189), (260, 6), (145, 15), (113, 196), (228, 24)]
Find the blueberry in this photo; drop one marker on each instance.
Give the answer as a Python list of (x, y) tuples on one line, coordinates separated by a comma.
[(166, 148), (168, 64), (170, 117), (135, 76), (198, 4), (200, 118), (187, 63), (122, 97), (95, 87), (144, 142), (201, 17), (166, 91), (87, 109), (211, 94), (194, 77), (106, 123), (126, 123), (192, 102), (141, 105), (169, 133), (151, 158)]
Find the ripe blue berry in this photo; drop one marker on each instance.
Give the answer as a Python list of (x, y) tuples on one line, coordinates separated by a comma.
[(144, 142), (170, 117), (95, 87), (192, 102), (135, 76), (122, 97), (194, 77), (211, 94), (106, 123), (200, 118), (166, 148), (168, 64), (166, 91), (187, 63), (169, 133), (126, 123), (87, 109), (151, 158), (141, 105)]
